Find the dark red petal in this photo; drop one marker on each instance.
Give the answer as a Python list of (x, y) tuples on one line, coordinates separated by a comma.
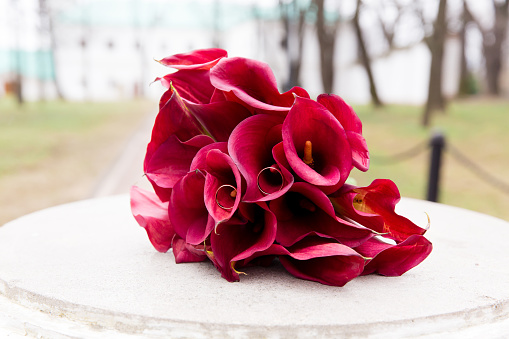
[(197, 59), (252, 83), (152, 215), (172, 160), (342, 111), (394, 260), (173, 119), (360, 153), (219, 118), (187, 210), (192, 85), (185, 252), (320, 260)]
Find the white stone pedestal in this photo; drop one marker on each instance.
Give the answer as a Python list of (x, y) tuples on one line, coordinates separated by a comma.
[(87, 270)]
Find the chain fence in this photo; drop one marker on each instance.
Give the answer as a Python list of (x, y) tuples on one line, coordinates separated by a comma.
[(449, 149)]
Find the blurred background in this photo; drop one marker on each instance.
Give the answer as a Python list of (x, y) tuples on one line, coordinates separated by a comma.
[(76, 104)]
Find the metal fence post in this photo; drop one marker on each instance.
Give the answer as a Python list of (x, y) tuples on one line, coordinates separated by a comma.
[(437, 144)]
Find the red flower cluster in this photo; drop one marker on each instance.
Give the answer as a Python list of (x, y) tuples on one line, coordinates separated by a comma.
[(243, 174)]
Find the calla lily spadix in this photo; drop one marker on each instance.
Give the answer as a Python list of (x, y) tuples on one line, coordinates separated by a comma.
[(245, 175)]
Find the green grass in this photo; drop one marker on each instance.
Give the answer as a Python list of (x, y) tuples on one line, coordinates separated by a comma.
[(54, 152), (35, 131), (477, 127)]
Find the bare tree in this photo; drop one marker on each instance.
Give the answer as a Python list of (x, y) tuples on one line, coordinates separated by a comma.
[(365, 58), (436, 44), (465, 80), (493, 40), (293, 19), (326, 32), (46, 18)]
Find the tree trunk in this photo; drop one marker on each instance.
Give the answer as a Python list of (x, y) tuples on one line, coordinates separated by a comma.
[(436, 99), (46, 17), (465, 76), (365, 58), (293, 39), (326, 40), (492, 46)]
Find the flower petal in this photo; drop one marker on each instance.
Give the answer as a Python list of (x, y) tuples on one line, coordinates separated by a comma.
[(197, 59), (324, 261), (185, 252), (187, 210), (173, 118), (172, 160), (394, 260), (152, 214), (219, 118), (253, 84)]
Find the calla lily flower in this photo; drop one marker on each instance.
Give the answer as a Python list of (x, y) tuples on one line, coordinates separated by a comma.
[(316, 145), (305, 210), (252, 84), (352, 125), (236, 241), (223, 183), (251, 146), (373, 206), (394, 260), (152, 214)]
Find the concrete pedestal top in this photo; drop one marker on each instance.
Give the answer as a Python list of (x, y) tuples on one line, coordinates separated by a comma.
[(87, 270)]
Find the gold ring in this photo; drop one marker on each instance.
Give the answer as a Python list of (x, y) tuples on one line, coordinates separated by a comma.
[(217, 201), (270, 168)]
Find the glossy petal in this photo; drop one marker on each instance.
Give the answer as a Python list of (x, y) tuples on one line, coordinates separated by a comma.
[(172, 159), (310, 121), (253, 84), (187, 210), (373, 206), (185, 252), (305, 210), (352, 125), (234, 242), (251, 148), (219, 118), (192, 85), (342, 111), (173, 119), (320, 260), (152, 214), (201, 59), (394, 260)]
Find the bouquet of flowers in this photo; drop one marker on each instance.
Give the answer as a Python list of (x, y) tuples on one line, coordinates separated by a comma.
[(243, 174)]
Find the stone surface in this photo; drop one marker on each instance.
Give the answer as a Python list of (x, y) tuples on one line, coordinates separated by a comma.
[(86, 269)]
